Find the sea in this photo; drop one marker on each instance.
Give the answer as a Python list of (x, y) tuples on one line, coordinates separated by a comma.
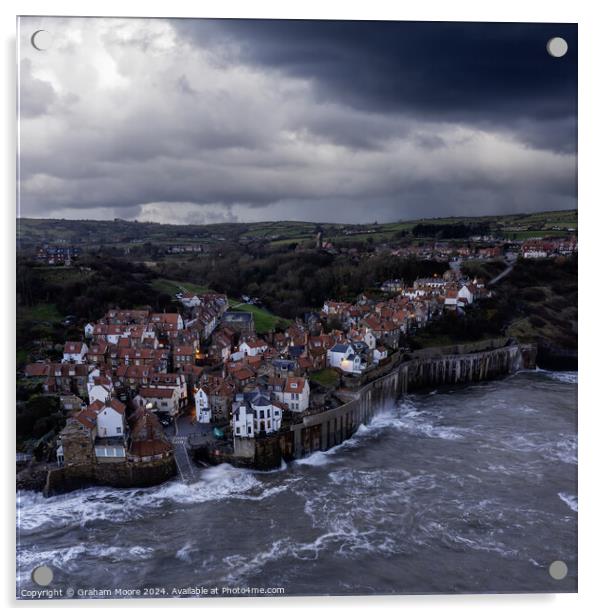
[(460, 490)]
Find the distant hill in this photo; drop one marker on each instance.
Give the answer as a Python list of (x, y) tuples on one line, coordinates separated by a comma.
[(33, 231)]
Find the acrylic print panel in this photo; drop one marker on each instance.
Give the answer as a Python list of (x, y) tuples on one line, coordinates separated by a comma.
[(297, 308)]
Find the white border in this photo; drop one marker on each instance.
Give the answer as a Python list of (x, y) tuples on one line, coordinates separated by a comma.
[(590, 228)]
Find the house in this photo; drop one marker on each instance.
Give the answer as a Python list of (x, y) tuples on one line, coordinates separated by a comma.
[(295, 394), (253, 347), (70, 403), (88, 330), (165, 400), (256, 416), (467, 292), (242, 375), (379, 354), (183, 355), (201, 406), (451, 299), (147, 439), (392, 286), (97, 353), (171, 380), (344, 357), (190, 300), (242, 322), (110, 418), (76, 439), (75, 352), (99, 389), (167, 322)]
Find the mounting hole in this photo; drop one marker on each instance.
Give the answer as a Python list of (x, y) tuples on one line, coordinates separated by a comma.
[(557, 47), (41, 40), (42, 576), (558, 570)]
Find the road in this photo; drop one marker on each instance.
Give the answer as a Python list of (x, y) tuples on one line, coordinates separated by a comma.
[(503, 274)]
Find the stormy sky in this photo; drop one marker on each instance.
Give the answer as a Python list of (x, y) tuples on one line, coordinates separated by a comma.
[(202, 121)]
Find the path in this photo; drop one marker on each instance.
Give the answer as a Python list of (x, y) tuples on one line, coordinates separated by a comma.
[(503, 274), (180, 452)]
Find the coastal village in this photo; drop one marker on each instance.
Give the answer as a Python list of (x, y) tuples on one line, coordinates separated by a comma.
[(139, 385), (135, 376)]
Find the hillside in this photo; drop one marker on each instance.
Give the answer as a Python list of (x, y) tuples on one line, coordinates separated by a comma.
[(121, 233)]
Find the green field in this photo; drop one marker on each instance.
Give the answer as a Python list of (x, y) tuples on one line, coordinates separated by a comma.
[(171, 287), (328, 377), (124, 233), (265, 321), (40, 313)]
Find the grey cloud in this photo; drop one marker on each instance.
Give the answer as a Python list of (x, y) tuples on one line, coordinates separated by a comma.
[(168, 129)]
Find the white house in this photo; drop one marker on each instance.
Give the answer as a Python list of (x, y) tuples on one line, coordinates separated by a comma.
[(89, 330), (253, 347), (295, 394), (75, 352), (260, 415), (97, 391), (243, 422), (343, 356), (164, 399), (110, 418), (378, 354), (466, 293), (369, 338), (190, 300), (338, 353), (201, 406), (451, 300)]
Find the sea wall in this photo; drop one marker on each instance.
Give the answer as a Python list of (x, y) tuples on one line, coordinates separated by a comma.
[(114, 474), (425, 368)]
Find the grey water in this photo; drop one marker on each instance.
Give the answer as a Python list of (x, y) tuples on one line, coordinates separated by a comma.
[(464, 490)]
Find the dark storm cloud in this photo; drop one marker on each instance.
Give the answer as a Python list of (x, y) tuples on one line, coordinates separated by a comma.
[(482, 73), (212, 120)]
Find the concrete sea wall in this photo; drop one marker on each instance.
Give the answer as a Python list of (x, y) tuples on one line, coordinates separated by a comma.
[(114, 474), (425, 368)]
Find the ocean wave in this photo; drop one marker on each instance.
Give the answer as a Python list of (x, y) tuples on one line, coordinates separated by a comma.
[(569, 499), (69, 559), (570, 377), (119, 505), (563, 449), (184, 553), (384, 420)]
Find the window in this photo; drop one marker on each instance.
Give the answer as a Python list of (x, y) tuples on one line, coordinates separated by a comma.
[(118, 430)]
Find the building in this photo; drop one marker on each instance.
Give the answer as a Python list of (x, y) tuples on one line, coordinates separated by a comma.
[(242, 322), (201, 406), (295, 394), (164, 399), (259, 415), (344, 357), (110, 418), (75, 352)]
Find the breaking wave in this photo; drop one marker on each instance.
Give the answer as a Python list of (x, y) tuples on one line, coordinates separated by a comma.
[(119, 505), (570, 377), (569, 499)]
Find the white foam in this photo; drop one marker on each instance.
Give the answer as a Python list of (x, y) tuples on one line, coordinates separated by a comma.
[(569, 499), (570, 377), (184, 553), (118, 505)]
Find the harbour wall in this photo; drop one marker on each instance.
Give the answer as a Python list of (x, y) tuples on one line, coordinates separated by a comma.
[(433, 367), (114, 474)]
